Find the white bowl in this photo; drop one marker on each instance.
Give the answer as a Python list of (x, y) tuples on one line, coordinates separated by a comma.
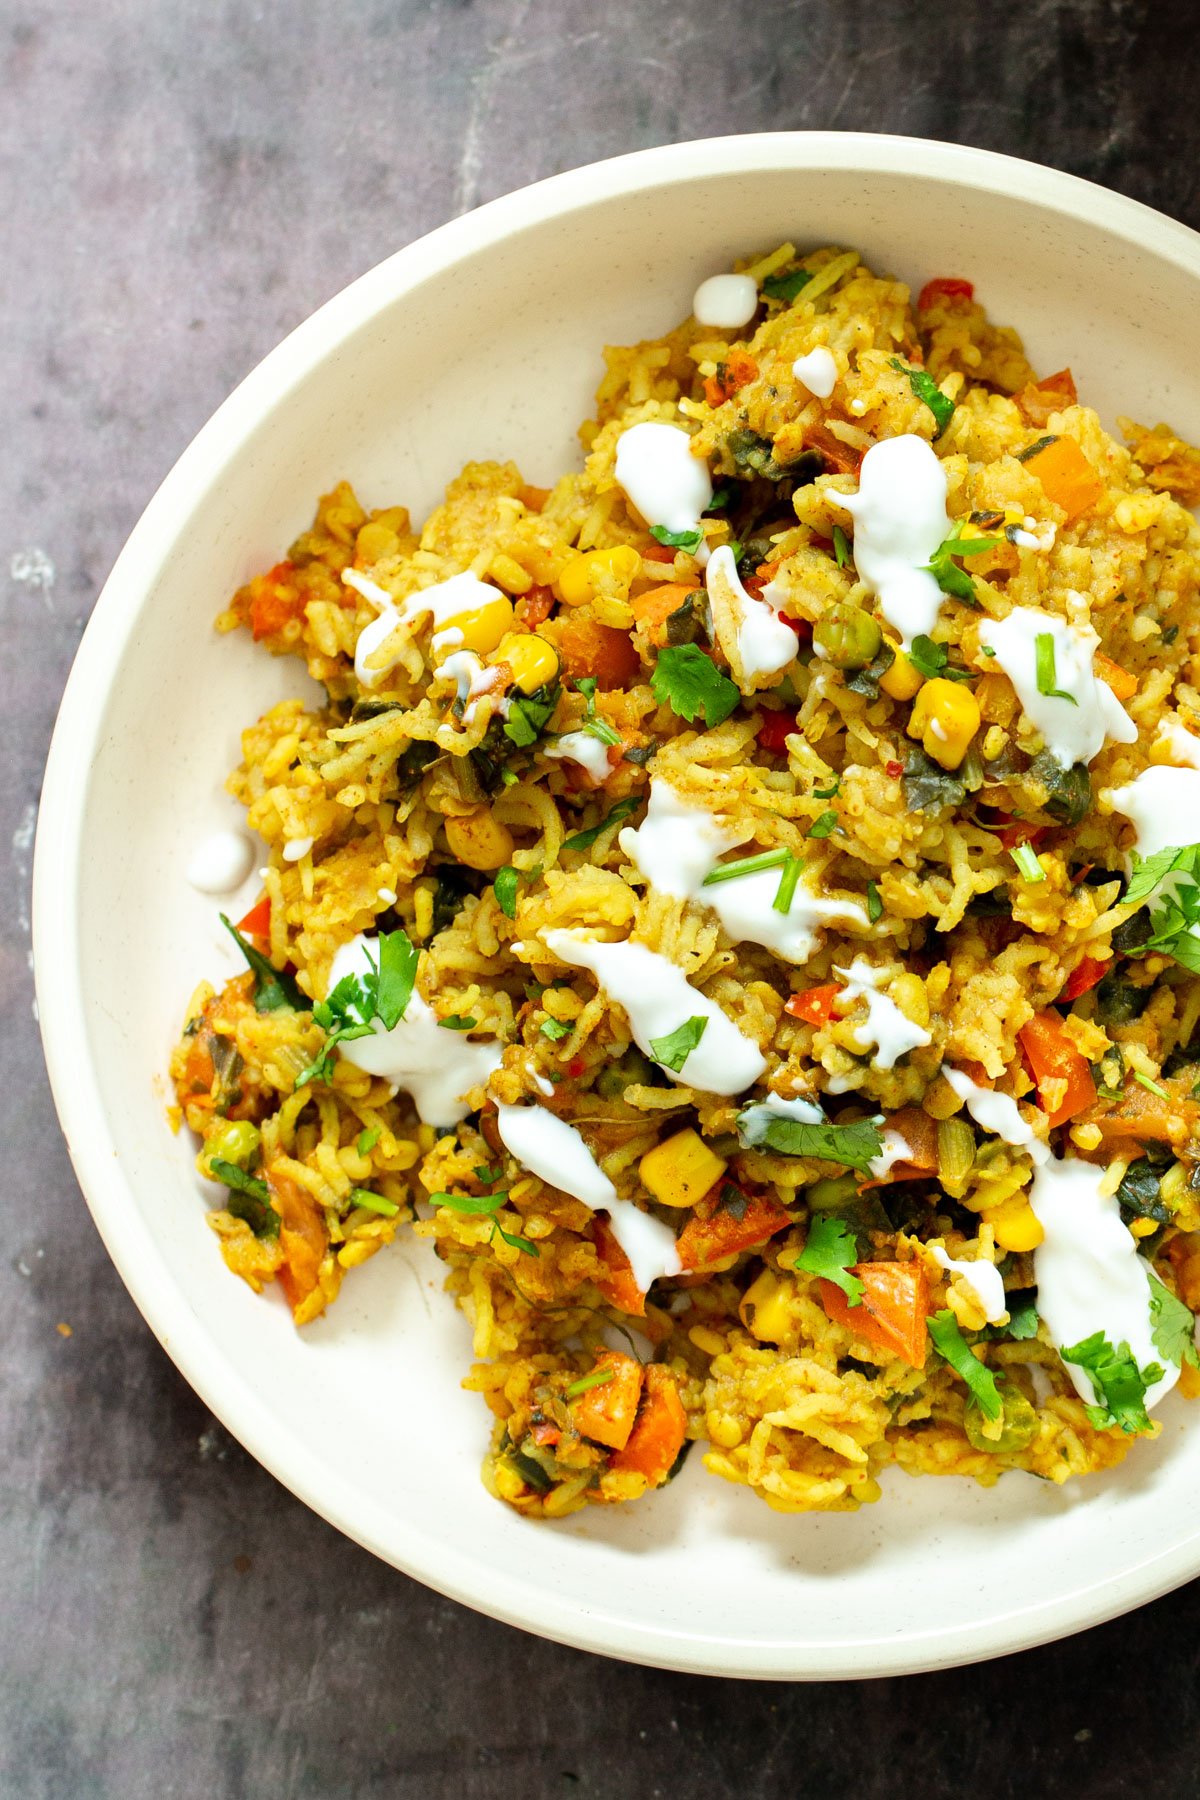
[(483, 340)]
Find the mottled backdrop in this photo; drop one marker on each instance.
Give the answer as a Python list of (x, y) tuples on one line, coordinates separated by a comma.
[(181, 182)]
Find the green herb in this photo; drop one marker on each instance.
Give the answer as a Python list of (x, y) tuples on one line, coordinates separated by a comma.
[(554, 1029), (1174, 905), (931, 660), (678, 540), (351, 1009), (273, 990), (1022, 1315), (456, 1022), (874, 903), (487, 1206), (1047, 675), (530, 714), (375, 1203), (1043, 443), (946, 572), (830, 1250), (720, 500), (827, 793), (1151, 1087), (841, 547), (688, 682), (597, 1378), (1141, 1187), (583, 840), (367, 1140), (598, 728), (927, 390), (1068, 788), (1117, 1382), (786, 287), (785, 893), (853, 1146), (673, 1050), (1172, 1324), (691, 621), (394, 979), (249, 1198), (1026, 860), (986, 650), (746, 865), (928, 787), (953, 1348), (504, 886), (1170, 633), (865, 681), (824, 824)]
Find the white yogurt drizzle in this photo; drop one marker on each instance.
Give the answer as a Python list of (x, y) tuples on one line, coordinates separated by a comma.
[(765, 644), (556, 1151), (437, 1067), (725, 301), (894, 1149), (445, 600), (677, 845), (818, 371), (900, 519), (583, 748), (996, 1113), (1074, 730), (472, 680), (658, 998), (1089, 1275), (296, 849), (1163, 802), (660, 476), (221, 862), (983, 1278), (885, 1025)]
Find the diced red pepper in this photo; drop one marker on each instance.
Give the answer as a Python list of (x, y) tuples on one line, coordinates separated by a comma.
[(891, 1313), (1064, 1080), (815, 1004), (894, 769), (727, 1231), (274, 600), (774, 732), (1083, 977), (257, 922), (944, 287)]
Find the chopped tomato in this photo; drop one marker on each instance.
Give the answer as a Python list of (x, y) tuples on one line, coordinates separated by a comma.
[(802, 627), (658, 1431), (815, 1004), (257, 922), (1064, 1080), (774, 732), (891, 1313), (656, 552), (615, 1277), (1083, 977), (1123, 684), (606, 1413), (895, 769), (738, 368), (589, 648), (944, 287), (545, 1433), (1049, 395), (1067, 476), (652, 609), (1020, 833), (729, 1230), (302, 1236), (274, 600), (535, 607)]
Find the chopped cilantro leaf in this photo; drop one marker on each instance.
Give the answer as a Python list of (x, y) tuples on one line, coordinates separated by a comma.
[(1172, 1324), (456, 1022), (504, 886), (824, 824), (689, 683), (274, 991), (1045, 670), (1117, 1382), (827, 793), (673, 1050), (678, 540), (472, 1204), (926, 389), (249, 1198), (583, 840), (554, 1029), (530, 714), (841, 547), (946, 572), (350, 1010), (874, 902), (953, 1348), (830, 1251), (786, 287), (851, 1145)]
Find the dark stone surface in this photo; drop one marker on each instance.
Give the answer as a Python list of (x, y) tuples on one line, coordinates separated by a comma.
[(181, 181)]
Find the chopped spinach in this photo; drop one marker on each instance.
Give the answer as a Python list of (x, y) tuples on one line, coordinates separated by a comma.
[(928, 787), (865, 681), (1068, 790), (1139, 1193)]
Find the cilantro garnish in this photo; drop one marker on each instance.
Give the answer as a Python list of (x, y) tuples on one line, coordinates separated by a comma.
[(249, 1198), (367, 1139), (530, 714), (953, 1348), (1119, 1385), (486, 1206), (1172, 1324), (1174, 905), (1045, 670), (376, 1203), (720, 500), (456, 1022), (853, 1146), (824, 824), (926, 388), (931, 659), (583, 840), (841, 547), (827, 793), (274, 991), (874, 903), (786, 287), (673, 1050), (677, 540), (946, 572), (554, 1029), (746, 865), (353, 1006), (689, 683), (504, 886), (598, 728), (830, 1250)]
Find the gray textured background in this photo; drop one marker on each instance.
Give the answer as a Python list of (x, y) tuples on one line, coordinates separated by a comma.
[(181, 182)]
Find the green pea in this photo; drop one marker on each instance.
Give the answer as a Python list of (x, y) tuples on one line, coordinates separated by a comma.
[(847, 636), (236, 1142), (1018, 1422), (831, 1192)]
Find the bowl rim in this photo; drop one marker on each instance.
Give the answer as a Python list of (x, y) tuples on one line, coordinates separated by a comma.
[(57, 945)]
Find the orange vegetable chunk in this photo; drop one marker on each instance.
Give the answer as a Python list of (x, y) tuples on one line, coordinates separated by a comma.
[(606, 1414), (1067, 476), (1064, 1080), (706, 1241), (891, 1314), (659, 1429)]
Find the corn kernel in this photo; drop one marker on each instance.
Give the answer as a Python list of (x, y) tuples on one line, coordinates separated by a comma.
[(764, 1309), (375, 540), (1143, 1227), (681, 1169), (903, 679), (533, 660), (945, 716), (574, 584), (607, 572), (479, 840), (480, 629), (1016, 1228)]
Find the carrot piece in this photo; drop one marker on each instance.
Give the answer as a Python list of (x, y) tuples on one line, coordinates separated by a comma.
[(589, 648), (652, 609), (727, 1231), (1123, 684), (1064, 1080), (815, 1004), (302, 1236), (944, 287), (1067, 476), (615, 1277), (1143, 1117), (257, 922), (535, 607), (274, 601), (1086, 975), (658, 1432), (919, 1132), (738, 368), (891, 1313), (1039, 399), (606, 1414)]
